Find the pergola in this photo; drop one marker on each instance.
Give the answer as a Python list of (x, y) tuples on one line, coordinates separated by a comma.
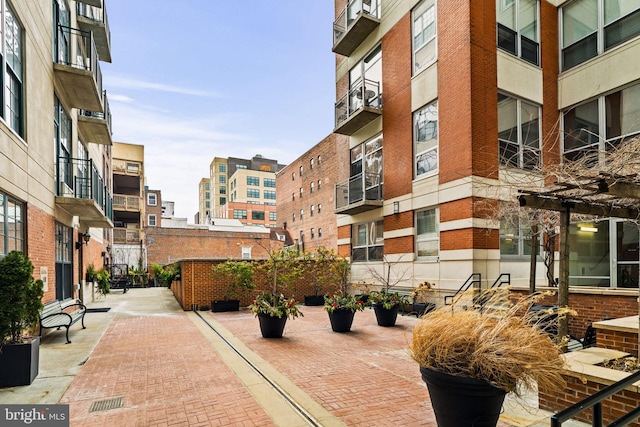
[(603, 195)]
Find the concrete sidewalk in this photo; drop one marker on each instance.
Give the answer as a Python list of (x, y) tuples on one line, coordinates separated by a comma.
[(146, 362)]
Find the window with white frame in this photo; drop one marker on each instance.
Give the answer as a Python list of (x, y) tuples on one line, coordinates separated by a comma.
[(152, 220), (427, 234), (518, 133), (313, 233), (222, 168), (246, 252), (152, 199), (222, 179), (424, 35), (12, 58), (311, 187), (425, 139), (592, 27), (253, 180), (312, 210), (301, 213), (319, 208), (319, 184), (367, 241), (272, 216), (253, 193), (600, 125), (269, 194), (239, 214), (12, 224), (518, 28), (311, 163), (515, 237), (319, 232)]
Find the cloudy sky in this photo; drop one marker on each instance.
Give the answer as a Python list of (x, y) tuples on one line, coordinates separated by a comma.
[(198, 79)]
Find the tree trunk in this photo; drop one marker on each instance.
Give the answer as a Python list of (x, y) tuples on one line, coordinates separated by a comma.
[(534, 255), (563, 285)]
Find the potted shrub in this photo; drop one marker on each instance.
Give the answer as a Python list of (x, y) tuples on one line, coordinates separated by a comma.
[(420, 298), (102, 280), (272, 313), (470, 359), (326, 267), (386, 305), (363, 291), (20, 305), (239, 277), (342, 308), (90, 274)]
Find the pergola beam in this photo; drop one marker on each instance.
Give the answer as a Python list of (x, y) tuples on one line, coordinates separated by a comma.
[(579, 207)]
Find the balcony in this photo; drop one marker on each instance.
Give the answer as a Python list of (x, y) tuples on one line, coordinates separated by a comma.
[(96, 3), (94, 18), (360, 193), (126, 167), (122, 202), (359, 107), (354, 24), (81, 192), (127, 236), (96, 127), (76, 69)]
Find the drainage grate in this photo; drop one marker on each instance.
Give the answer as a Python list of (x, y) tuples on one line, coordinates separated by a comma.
[(105, 405)]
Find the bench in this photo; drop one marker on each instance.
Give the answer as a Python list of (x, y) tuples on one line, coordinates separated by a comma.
[(56, 314)]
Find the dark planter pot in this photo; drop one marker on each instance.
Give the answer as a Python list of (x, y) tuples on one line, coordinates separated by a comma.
[(228, 305), (461, 401), (314, 300), (421, 308), (341, 319), (271, 327), (19, 363), (364, 298), (385, 317)]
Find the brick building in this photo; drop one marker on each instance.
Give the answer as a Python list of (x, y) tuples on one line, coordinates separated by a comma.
[(306, 197), (443, 100), (55, 140)]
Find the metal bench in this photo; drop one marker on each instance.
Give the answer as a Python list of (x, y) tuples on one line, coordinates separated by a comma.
[(56, 314)]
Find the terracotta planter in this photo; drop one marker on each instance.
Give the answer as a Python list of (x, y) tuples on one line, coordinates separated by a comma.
[(19, 363), (461, 401), (341, 319)]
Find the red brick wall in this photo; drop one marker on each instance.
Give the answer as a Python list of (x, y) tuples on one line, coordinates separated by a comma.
[(40, 247), (550, 70), (618, 340)]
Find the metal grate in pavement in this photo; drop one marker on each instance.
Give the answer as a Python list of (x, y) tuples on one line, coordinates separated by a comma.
[(105, 405)]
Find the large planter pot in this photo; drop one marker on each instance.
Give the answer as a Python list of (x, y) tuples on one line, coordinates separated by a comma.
[(421, 308), (461, 401), (385, 317), (341, 319), (19, 363), (314, 300), (270, 326), (226, 305)]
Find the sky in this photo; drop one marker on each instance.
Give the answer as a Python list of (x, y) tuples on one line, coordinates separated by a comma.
[(198, 79)]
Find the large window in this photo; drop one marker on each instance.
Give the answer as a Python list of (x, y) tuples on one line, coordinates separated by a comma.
[(12, 226), (269, 182), (269, 194), (427, 235), (518, 133), (253, 180), (366, 171), (240, 214), (62, 135), (367, 241), (425, 139), (591, 27), (257, 215), (272, 216), (152, 199), (12, 58), (515, 238), (600, 125), (518, 28), (424, 35), (253, 193)]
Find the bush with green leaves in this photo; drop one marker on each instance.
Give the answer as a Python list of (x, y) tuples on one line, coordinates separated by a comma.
[(167, 274), (20, 297), (102, 278), (238, 275)]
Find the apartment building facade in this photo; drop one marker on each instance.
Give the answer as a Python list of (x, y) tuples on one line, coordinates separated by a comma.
[(443, 100), (306, 198), (55, 200)]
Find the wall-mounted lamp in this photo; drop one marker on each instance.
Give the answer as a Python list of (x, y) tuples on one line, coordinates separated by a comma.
[(85, 238), (396, 207), (588, 228)]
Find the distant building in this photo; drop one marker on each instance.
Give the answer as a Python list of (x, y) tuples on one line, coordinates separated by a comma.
[(306, 194)]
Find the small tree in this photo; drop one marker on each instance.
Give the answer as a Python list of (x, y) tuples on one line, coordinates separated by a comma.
[(328, 270), (20, 297), (167, 274), (284, 267), (239, 275)]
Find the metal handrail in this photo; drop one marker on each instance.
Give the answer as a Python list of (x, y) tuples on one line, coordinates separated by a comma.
[(350, 13), (595, 402), (106, 115), (360, 187), (364, 93), (84, 56), (81, 179), (499, 281), (475, 278)]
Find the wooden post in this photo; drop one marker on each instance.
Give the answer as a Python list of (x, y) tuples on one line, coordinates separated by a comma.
[(563, 285), (534, 256)]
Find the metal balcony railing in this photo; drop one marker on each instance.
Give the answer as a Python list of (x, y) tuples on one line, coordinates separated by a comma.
[(100, 27), (359, 188), (126, 236), (77, 49), (350, 13), (365, 94), (81, 179), (106, 115), (126, 203)]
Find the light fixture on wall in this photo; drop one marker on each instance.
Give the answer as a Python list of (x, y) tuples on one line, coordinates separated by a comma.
[(590, 228), (85, 238), (396, 207)]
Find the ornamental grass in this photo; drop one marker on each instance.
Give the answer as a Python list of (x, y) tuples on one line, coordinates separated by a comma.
[(501, 342)]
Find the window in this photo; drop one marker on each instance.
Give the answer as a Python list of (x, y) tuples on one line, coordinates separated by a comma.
[(207, 204), (590, 133), (12, 57), (300, 192), (253, 193), (311, 186), (269, 203), (223, 189), (257, 215), (515, 238), (319, 159), (207, 195), (518, 28), (312, 209), (223, 201), (319, 184), (518, 133), (246, 252), (367, 241), (62, 135), (365, 173), (272, 216), (293, 218), (424, 35), (269, 194), (152, 220), (313, 233), (365, 82), (269, 182), (241, 166), (425, 137), (223, 179), (592, 27), (311, 163), (222, 168), (427, 235), (239, 214), (293, 196), (319, 208), (253, 180), (301, 214), (12, 225), (293, 176), (319, 233), (300, 170), (152, 199)]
